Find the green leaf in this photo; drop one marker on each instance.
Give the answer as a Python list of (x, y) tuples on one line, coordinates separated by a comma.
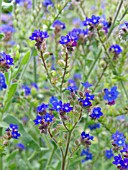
[(1, 36), (25, 59), (26, 138), (3, 124)]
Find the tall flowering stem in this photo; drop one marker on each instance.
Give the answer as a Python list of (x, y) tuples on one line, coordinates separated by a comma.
[(65, 68)]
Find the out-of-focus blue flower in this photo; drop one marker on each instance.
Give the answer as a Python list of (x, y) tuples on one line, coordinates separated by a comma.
[(53, 99), (86, 85), (87, 154), (47, 3), (64, 39), (111, 95), (77, 76), (58, 23), (71, 88), (72, 84), (14, 127), (7, 29), (34, 85), (76, 22), (2, 82), (89, 96), (94, 126), (67, 107), (109, 154), (96, 113), (115, 48), (26, 3), (27, 90), (117, 159), (20, 146)]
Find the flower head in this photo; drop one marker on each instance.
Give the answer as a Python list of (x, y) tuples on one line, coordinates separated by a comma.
[(96, 113), (58, 24), (86, 85), (38, 120), (12, 131), (27, 90), (38, 36), (94, 126), (109, 154), (111, 95), (64, 40), (42, 108), (86, 102), (20, 146), (89, 96), (115, 48), (67, 107), (87, 154), (118, 139), (95, 19), (48, 118), (47, 3), (57, 105), (5, 61)]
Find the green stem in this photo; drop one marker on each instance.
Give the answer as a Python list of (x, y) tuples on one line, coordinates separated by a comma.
[(1, 161), (0, 9), (65, 68), (50, 158), (117, 13), (35, 69)]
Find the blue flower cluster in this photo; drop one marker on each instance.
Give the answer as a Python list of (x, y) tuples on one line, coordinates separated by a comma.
[(20, 146), (5, 61), (6, 29), (57, 24), (86, 138), (12, 131), (121, 163), (118, 139), (87, 154), (109, 154), (111, 95), (2, 82), (116, 49)]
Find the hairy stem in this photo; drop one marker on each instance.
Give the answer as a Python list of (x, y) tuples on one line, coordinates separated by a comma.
[(1, 161), (35, 69)]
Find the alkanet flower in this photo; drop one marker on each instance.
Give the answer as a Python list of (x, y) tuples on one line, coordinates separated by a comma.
[(64, 40), (14, 127), (118, 139), (15, 134), (95, 19), (87, 22), (58, 24), (27, 90), (38, 120), (89, 96), (117, 159), (67, 107), (87, 154), (115, 48), (109, 154), (86, 138), (57, 105), (47, 3), (86, 102), (42, 108), (111, 95), (96, 113), (86, 85), (73, 35), (5, 61), (2, 82), (94, 126), (48, 118), (12, 131), (20, 146), (38, 35)]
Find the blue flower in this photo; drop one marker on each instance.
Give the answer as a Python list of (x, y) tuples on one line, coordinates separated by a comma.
[(90, 97), (53, 99), (14, 127), (72, 83), (86, 102), (125, 149), (7, 29), (27, 90), (34, 85), (95, 19), (77, 76), (71, 88), (15, 134), (94, 126), (57, 105), (58, 23), (48, 118), (111, 95), (47, 3), (27, 3), (87, 154), (38, 120), (20, 146), (42, 108), (118, 139), (87, 22), (86, 136), (117, 159), (2, 82), (96, 113), (73, 35), (115, 48), (64, 39), (67, 107), (38, 36), (86, 85), (109, 154), (121, 163), (5, 58)]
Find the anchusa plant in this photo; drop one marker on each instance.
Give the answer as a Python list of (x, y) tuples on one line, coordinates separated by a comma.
[(63, 85)]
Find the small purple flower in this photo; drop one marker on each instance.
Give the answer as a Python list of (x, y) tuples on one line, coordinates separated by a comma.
[(71, 88), (67, 107), (14, 127), (86, 85), (20, 146), (117, 159), (57, 105), (95, 19), (115, 48), (38, 36), (15, 134), (38, 120), (7, 29), (64, 39), (2, 82), (48, 118), (96, 113), (87, 22), (58, 23), (47, 3), (109, 154), (118, 139), (94, 126), (73, 35), (86, 136), (87, 154), (7, 59)]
